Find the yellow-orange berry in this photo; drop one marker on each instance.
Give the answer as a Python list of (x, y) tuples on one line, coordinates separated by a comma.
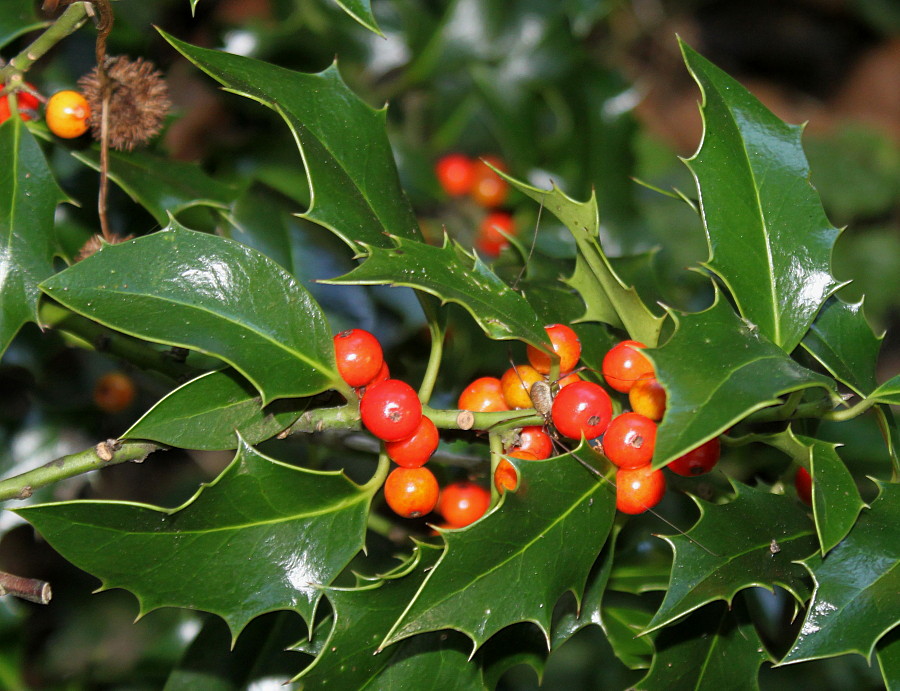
[(647, 397), (67, 114), (516, 384), (114, 392)]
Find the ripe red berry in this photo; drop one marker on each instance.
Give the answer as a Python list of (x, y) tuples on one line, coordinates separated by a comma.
[(463, 503), (483, 395), (26, 103), (390, 410), (639, 489), (582, 408), (455, 173), (516, 384), (534, 440), (358, 355), (505, 476), (648, 397), (489, 239), (624, 364), (629, 440), (697, 461), (416, 449), (411, 492), (489, 189), (67, 114), (803, 483), (566, 345), (114, 392)]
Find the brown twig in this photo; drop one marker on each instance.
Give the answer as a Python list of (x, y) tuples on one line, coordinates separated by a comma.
[(30, 589)]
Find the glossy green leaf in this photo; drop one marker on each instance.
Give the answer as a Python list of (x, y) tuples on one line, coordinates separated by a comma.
[(209, 413), (857, 586), (623, 624), (162, 186), (17, 18), (888, 652), (526, 541), (715, 648), (842, 340), (29, 196), (356, 191), (836, 500), (452, 275), (606, 297), (361, 11), (769, 239), (209, 294), (350, 658), (716, 370), (262, 536), (889, 392), (753, 540)]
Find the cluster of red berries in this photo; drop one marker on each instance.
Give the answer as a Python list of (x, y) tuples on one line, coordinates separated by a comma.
[(460, 175), (390, 409), (67, 112)]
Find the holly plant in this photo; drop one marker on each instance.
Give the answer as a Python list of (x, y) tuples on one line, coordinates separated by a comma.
[(419, 483)]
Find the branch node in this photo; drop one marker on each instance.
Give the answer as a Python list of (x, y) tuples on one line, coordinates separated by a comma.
[(465, 420), (106, 449)]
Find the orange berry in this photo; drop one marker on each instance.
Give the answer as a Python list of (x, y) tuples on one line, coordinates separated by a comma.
[(489, 239), (516, 383), (624, 364), (455, 173), (114, 392), (489, 189), (639, 489), (565, 344), (67, 114), (648, 397), (411, 492), (483, 395), (505, 476), (463, 503)]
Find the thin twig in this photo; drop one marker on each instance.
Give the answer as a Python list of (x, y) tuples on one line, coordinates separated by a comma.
[(30, 589)]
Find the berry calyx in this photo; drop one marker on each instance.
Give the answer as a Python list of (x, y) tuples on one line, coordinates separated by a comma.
[(490, 240), (358, 356), (639, 489), (648, 397), (698, 461), (411, 492), (624, 364), (416, 449), (803, 483), (463, 503), (455, 173), (390, 410), (488, 189), (114, 392), (533, 440), (26, 103), (67, 114), (516, 384), (565, 344), (484, 395), (581, 409), (629, 440)]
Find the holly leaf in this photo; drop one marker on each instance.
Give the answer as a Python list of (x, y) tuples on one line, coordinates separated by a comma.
[(451, 274), (16, 19), (726, 551), (717, 369), (353, 179), (857, 586), (605, 295), (29, 196), (841, 339), (262, 536), (716, 648), (769, 239), (213, 295), (161, 185), (361, 11), (889, 392), (350, 658), (212, 412), (836, 500), (888, 652), (478, 587)]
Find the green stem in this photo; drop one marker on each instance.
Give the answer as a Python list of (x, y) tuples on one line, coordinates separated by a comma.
[(381, 473), (853, 411), (67, 23), (791, 410), (496, 445), (139, 353), (437, 353), (104, 454)]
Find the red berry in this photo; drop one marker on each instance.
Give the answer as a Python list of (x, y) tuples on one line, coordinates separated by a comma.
[(114, 392), (505, 476), (648, 397), (489, 239), (568, 379), (516, 384), (697, 461), (533, 440), (624, 364), (582, 408), (463, 503), (489, 189), (416, 449), (629, 440), (803, 483), (639, 489), (26, 103), (358, 355), (390, 410), (411, 492), (483, 395), (455, 173), (566, 345)]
